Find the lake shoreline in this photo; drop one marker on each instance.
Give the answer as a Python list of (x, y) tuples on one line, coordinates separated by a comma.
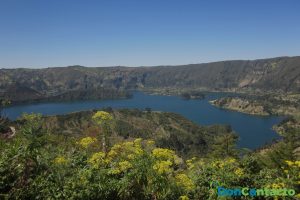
[(199, 111)]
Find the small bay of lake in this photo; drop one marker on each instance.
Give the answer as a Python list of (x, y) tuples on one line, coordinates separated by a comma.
[(254, 131)]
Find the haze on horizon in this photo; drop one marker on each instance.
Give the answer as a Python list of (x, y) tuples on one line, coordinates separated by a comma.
[(53, 33)]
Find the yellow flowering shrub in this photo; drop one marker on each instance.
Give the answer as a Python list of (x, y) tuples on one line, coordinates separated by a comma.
[(292, 171), (114, 171), (165, 154), (129, 170), (119, 158), (124, 165), (163, 167), (293, 163), (190, 163), (97, 159), (277, 185), (183, 197), (138, 141), (126, 150), (229, 162), (289, 163), (165, 160), (87, 141), (238, 171), (184, 181), (150, 142), (131, 156), (102, 117)]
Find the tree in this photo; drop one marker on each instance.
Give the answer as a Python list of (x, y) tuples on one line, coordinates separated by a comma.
[(104, 120), (3, 120), (3, 104), (32, 130), (225, 146)]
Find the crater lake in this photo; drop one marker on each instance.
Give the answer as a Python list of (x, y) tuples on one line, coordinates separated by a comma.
[(254, 131)]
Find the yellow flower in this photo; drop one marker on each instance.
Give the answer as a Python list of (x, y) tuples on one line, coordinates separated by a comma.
[(87, 141), (124, 165), (137, 151), (126, 150), (183, 197), (127, 144), (102, 117), (278, 185), (289, 163), (114, 171), (239, 172), (190, 163), (150, 142), (177, 160), (219, 164), (131, 156), (231, 160), (97, 159), (184, 181), (116, 147), (60, 160), (112, 153), (163, 167), (165, 154), (137, 141)]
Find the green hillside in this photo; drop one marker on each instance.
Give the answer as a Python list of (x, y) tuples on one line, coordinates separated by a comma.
[(168, 130), (86, 156), (266, 75), (262, 104)]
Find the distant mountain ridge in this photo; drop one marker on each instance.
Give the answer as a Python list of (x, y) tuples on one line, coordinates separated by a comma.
[(280, 74)]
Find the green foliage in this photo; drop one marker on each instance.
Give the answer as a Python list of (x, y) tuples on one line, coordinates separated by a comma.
[(225, 146), (132, 169), (3, 103), (31, 125), (262, 104), (3, 121), (104, 120), (168, 130)]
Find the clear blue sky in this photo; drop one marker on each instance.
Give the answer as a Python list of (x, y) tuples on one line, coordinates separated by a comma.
[(45, 33)]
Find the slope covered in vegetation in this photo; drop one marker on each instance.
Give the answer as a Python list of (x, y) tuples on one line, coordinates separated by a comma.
[(272, 75), (168, 130), (267, 104), (41, 164)]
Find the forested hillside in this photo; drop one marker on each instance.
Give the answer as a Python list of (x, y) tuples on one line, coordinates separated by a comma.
[(272, 75), (168, 130), (77, 156)]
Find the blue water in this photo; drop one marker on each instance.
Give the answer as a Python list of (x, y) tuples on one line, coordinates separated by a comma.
[(254, 131)]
